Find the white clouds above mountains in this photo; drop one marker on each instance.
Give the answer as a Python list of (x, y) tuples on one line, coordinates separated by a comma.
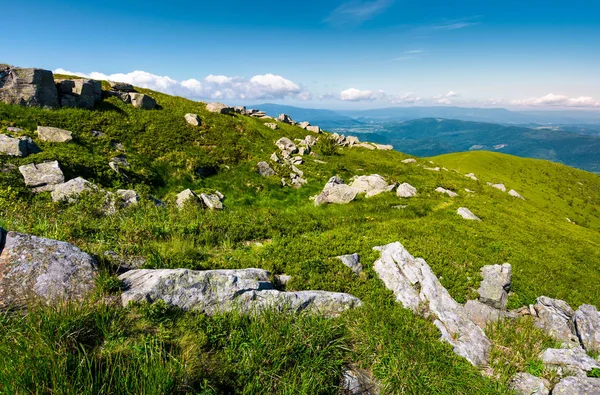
[(354, 94), (553, 100), (407, 98), (445, 98), (216, 87)]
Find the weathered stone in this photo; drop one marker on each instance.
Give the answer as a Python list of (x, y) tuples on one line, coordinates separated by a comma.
[(82, 92), (336, 192), (239, 109), (446, 191), (33, 267), (140, 100), (193, 119), (358, 381), (14, 129), (70, 190), (186, 196), (467, 214), (54, 135), (296, 160), (310, 141), (500, 187), (482, 314), (211, 291), (577, 386), (287, 145), (42, 176), (587, 327), (219, 108), (409, 160), (528, 384), (212, 200), (471, 176), (17, 146), (405, 190), (368, 146), (383, 147), (569, 361), (314, 129), (417, 288), (432, 168), (352, 261), (285, 118), (121, 86), (372, 185), (265, 170), (271, 125), (28, 87), (555, 317), (516, 194), (304, 124), (128, 197), (493, 289), (352, 141), (275, 158)]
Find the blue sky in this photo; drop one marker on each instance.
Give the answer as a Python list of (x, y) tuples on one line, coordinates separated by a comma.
[(327, 53)]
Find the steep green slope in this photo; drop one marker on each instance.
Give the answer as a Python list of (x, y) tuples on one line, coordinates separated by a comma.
[(268, 226)]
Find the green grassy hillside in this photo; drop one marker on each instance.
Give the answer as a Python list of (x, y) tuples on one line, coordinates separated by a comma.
[(156, 349)]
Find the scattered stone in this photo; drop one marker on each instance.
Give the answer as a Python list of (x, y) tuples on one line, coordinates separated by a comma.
[(186, 196), (212, 291), (193, 119), (372, 185), (500, 187), (283, 279), (555, 317), (28, 87), (409, 160), (297, 180), (70, 190), (358, 381), (121, 86), (296, 160), (352, 261), (352, 141), (297, 171), (516, 194), (310, 141), (467, 214), (33, 267), (304, 124), (471, 176), (212, 200), (446, 191), (287, 145), (569, 361), (43, 176), (314, 129), (469, 191), (528, 384), (14, 129), (271, 125), (140, 100), (285, 119), (493, 290), (265, 170), (54, 135), (17, 146), (577, 386), (405, 190), (587, 327), (417, 288), (336, 192), (303, 151), (80, 93)]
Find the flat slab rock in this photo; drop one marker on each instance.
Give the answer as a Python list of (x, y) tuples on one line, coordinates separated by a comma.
[(577, 386), (416, 287), (54, 135), (573, 360), (214, 291), (34, 267), (42, 176)]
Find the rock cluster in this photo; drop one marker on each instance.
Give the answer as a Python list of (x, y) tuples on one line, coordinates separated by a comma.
[(128, 95), (80, 93), (291, 156)]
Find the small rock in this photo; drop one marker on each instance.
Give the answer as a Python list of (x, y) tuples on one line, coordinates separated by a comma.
[(193, 119), (587, 327), (285, 118), (70, 190), (528, 384), (265, 170), (446, 191), (383, 147), (516, 194), (212, 200), (432, 168), (500, 187), (219, 108), (352, 261), (186, 196), (405, 190), (314, 129), (97, 134), (54, 135), (128, 197), (271, 125), (275, 158), (471, 176), (358, 382), (140, 100), (14, 129), (409, 160), (577, 386), (42, 176), (467, 214), (493, 289)]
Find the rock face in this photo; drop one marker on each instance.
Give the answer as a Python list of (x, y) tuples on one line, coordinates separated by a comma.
[(28, 87), (222, 290), (335, 191), (577, 386), (42, 176), (406, 190), (82, 93), (555, 317), (528, 384), (54, 135), (352, 261), (371, 185), (140, 100), (493, 290), (70, 190), (33, 267), (286, 145), (446, 191), (569, 361), (416, 287), (587, 327), (17, 146), (467, 214), (265, 170), (219, 108), (193, 119)]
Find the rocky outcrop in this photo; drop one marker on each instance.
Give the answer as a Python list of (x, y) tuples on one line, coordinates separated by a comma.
[(405, 190), (569, 361), (43, 176), (81, 92), (54, 135), (467, 214), (577, 386), (446, 191), (193, 119), (528, 384), (33, 268), (336, 192), (352, 261), (219, 108), (71, 190), (555, 317), (587, 327), (17, 146), (28, 87), (286, 119), (211, 291), (304, 124), (417, 288), (121, 86), (265, 170), (371, 185)]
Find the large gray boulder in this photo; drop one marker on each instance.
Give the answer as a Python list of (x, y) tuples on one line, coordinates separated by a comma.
[(528, 384), (555, 317), (569, 361), (352, 261), (417, 288), (314, 129), (265, 170), (140, 100), (27, 87), (493, 289), (71, 190), (371, 185), (285, 118), (405, 190), (211, 291), (587, 327), (82, 93), (17, 146), (54, 135), (336, 192), (577, 386), (193, 119), (286, 145), (186, 196), (33, 267), (219, 108), (43, 176)]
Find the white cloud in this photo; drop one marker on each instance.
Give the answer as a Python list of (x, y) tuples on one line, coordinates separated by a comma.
[(216, 87), (414, 51), (357, 11), (445, 98), (444, 101), (407, 98), (553, 100), (354, 94)]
